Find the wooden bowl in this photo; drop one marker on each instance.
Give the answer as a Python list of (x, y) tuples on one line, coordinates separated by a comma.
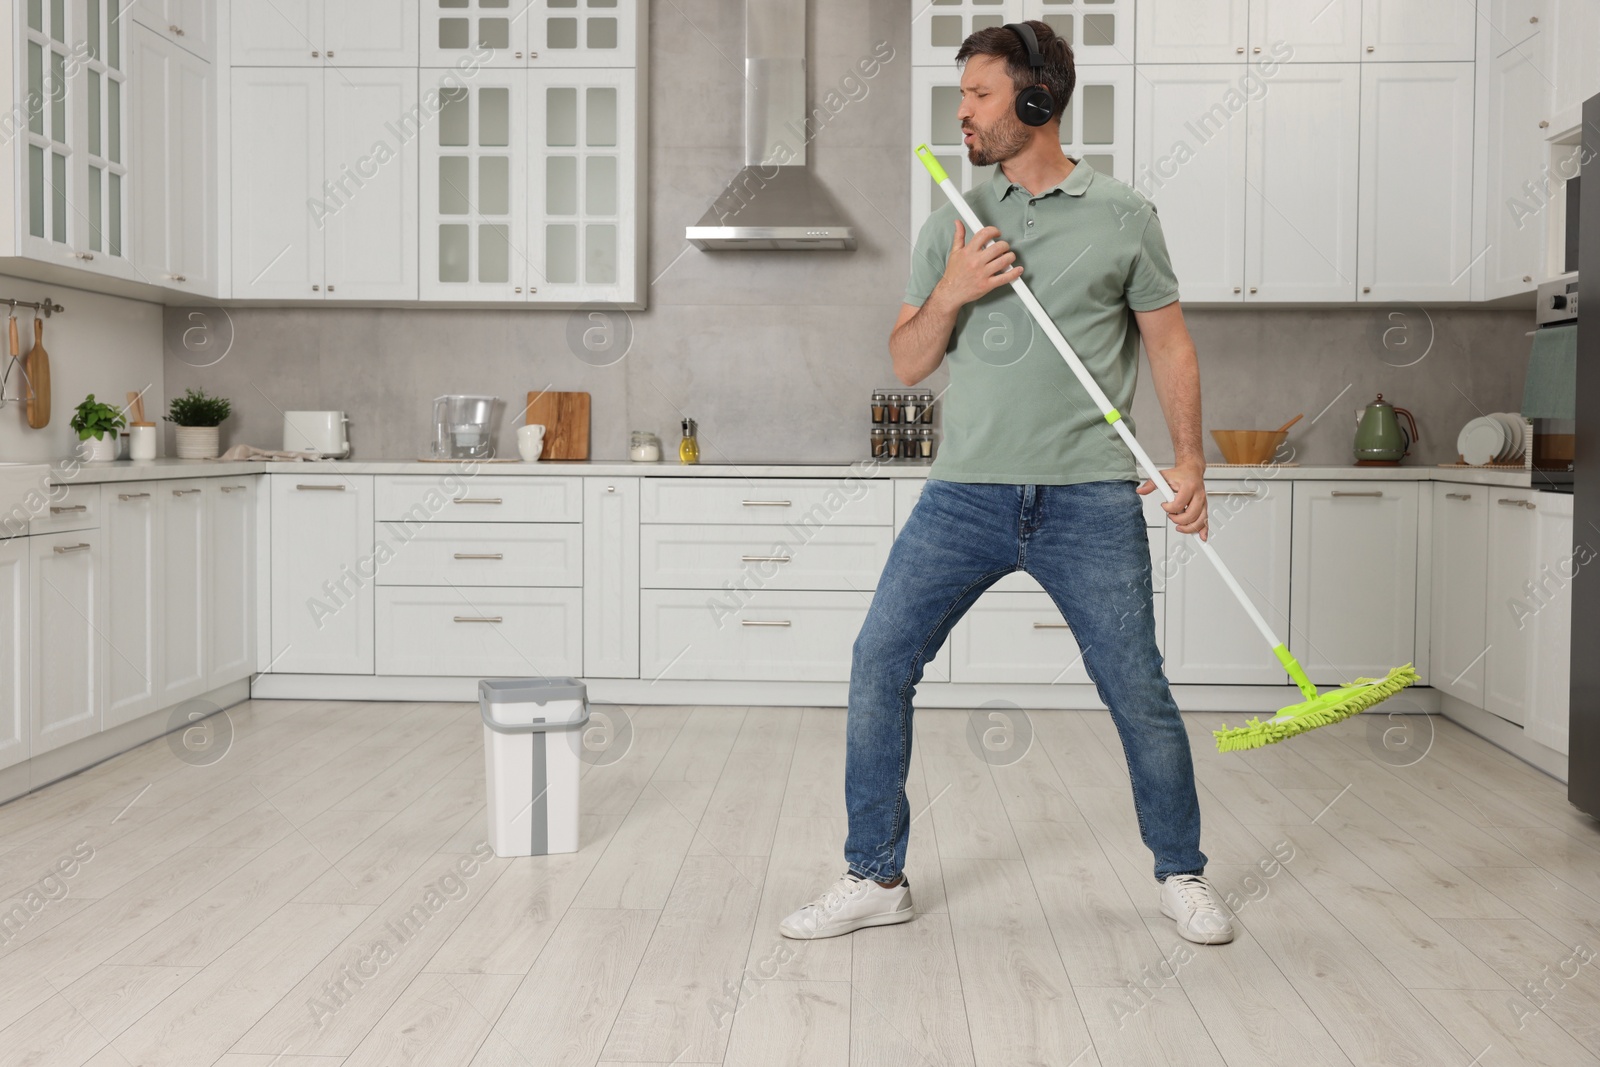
[(1248, 446)]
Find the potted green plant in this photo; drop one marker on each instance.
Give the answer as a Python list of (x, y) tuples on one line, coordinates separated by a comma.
[(99, 424), (197, 416)]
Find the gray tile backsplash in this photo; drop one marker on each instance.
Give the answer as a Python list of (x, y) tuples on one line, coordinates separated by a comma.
[(775, 354)]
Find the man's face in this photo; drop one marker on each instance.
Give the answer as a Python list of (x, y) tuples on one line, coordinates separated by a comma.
[(988, 116)]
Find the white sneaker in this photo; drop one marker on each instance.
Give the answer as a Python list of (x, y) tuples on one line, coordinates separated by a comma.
[(1187, 899), (849, 904)]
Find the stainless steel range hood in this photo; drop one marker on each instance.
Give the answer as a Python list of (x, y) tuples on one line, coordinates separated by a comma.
[(774, 202)]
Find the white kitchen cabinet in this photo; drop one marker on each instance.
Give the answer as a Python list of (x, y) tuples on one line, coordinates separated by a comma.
[(1458, 598), (1576, 36), (540, 33), (1353, 578), (277, 167), (1300, 214), (369, 217), (174, 151), (1557, 559), (434, 630), (323, 565), (768, 635), (67, 586), (1099, 33), (312, 33), (937, 29), (1328, 31), (1193, 31), (134, 598), (475, 157), (325, 183), (1190, 160), (1209, 639), (1415, 214), (611, 577), (16, 639), (185, 577), (230, 603), (1417, 30), (935, 98), (1514, 97), (1512, 599), (1022, 637), (190, 24)]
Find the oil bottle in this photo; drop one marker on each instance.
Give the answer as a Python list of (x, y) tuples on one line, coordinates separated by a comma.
[(689, 447)]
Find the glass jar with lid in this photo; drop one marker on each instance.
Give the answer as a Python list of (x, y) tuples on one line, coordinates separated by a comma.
[(892, 409), (880, 403), (879, 441)]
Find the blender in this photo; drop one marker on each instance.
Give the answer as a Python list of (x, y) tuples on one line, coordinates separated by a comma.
[(462, 427)]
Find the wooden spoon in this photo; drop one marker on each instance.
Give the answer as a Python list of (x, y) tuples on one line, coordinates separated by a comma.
[(1290, 423), (38, 378)]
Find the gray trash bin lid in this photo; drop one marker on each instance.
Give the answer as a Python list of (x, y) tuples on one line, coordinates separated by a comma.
[(529, 696)]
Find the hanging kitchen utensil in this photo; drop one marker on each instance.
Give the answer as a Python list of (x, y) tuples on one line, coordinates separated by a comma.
[(38, 371)]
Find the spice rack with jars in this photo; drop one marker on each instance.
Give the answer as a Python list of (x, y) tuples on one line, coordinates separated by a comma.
[(902, 425)]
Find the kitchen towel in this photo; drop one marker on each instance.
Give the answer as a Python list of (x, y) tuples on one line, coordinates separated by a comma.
[(1552, 381)]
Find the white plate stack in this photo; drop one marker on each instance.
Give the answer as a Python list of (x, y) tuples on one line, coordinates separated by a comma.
[(1500, 437)]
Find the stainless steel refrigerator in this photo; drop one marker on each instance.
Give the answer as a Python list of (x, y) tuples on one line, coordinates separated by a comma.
[(1583, 768)]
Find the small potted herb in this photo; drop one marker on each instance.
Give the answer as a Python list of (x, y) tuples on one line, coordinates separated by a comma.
[(197, 417), (101, 424)]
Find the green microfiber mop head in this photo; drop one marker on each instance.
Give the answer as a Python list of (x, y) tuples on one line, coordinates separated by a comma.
[(1335, 705)]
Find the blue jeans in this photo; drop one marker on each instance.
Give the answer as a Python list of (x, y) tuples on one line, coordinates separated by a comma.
[(1086, 545)]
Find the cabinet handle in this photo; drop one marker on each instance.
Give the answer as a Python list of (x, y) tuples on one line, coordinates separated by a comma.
[(233, 488), (480, 555), (1365, 492), (478, 500), (1237, 289), (1232, 492), (1256, 50), (316, 55), (519, 55), (533, 55), (766, 559), (1366, 288), (519, 289), (767, 504), (316, 288), (1252, 288), (1370, 48), (62, 550), (325, 488), (480, 618), (184, 492), (1458, 496), (611, 489), (68, 509), (1240, 50), (85, 256), (132, 496), (1544, 124), (1530, 505), (764, 622), (330, 53), (177, 277), (330, 288), (177, 30), (1050, 626)]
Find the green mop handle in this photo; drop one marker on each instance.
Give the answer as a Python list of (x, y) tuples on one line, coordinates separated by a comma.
[(1114, 417)]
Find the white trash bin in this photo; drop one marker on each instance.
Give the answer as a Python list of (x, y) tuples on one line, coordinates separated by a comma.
[(531, 750)]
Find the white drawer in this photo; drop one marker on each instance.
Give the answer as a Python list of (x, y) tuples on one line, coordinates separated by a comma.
[(909, 490), (777, 635), (762, 557), (72, 507), (533, 632), (806, 504), (1019, 637), (482, 553), (1022, 582), (453, 497)]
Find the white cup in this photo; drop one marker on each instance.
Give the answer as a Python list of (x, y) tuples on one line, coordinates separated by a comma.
[(530, 441), (142, 441)]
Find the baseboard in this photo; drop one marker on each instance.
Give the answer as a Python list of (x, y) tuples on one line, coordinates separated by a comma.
[(1506, 735)]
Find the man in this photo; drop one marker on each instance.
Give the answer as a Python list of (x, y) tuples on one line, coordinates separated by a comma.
[(1030, 476)]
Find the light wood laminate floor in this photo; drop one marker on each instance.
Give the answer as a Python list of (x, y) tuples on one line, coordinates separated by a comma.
[(313, 898)]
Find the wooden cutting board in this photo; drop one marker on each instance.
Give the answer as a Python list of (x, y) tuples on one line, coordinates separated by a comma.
[(38, 366), (565, 418)]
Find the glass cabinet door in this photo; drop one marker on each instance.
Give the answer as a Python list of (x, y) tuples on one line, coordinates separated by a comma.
[(1098, 125), (51, 127), (1099, 31), (457, 29), (581, 186), (582, 33), (935, 97), (104, 87), (940, 26), (474, 189)]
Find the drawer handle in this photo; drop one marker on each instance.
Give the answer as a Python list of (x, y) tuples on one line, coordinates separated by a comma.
[(480, 555), (62, 550), (768, 504), (479, 618), (233, 488), (479, 500), (1364, 492), (764, 622), (66, 509), (1458, 496), (1231, 492), (1530, 505), (1050, 626), (184, 492), (766, 559), (328, 488), (132, 496)]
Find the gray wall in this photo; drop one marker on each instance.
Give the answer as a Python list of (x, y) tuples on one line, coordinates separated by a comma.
[(775, 354)]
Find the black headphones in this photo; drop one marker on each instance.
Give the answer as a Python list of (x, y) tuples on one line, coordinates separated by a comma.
[(1035, 106)]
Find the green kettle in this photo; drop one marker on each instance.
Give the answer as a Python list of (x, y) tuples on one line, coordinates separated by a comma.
[(1380, 439)]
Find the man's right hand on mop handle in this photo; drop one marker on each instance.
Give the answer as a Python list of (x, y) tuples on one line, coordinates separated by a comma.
[(977, 267)]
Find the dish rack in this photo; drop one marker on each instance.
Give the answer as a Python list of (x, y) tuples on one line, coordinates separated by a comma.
[(1525, 463)]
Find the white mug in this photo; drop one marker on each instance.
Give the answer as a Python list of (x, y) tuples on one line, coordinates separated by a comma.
[(530, 441)]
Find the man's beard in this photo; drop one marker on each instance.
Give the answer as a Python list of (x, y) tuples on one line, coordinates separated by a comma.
[(997, 143)]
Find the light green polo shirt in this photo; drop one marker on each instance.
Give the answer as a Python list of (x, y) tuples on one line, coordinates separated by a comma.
[(1092, 251)]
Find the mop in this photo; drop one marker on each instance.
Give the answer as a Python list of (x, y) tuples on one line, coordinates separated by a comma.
[(1318, 709)]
